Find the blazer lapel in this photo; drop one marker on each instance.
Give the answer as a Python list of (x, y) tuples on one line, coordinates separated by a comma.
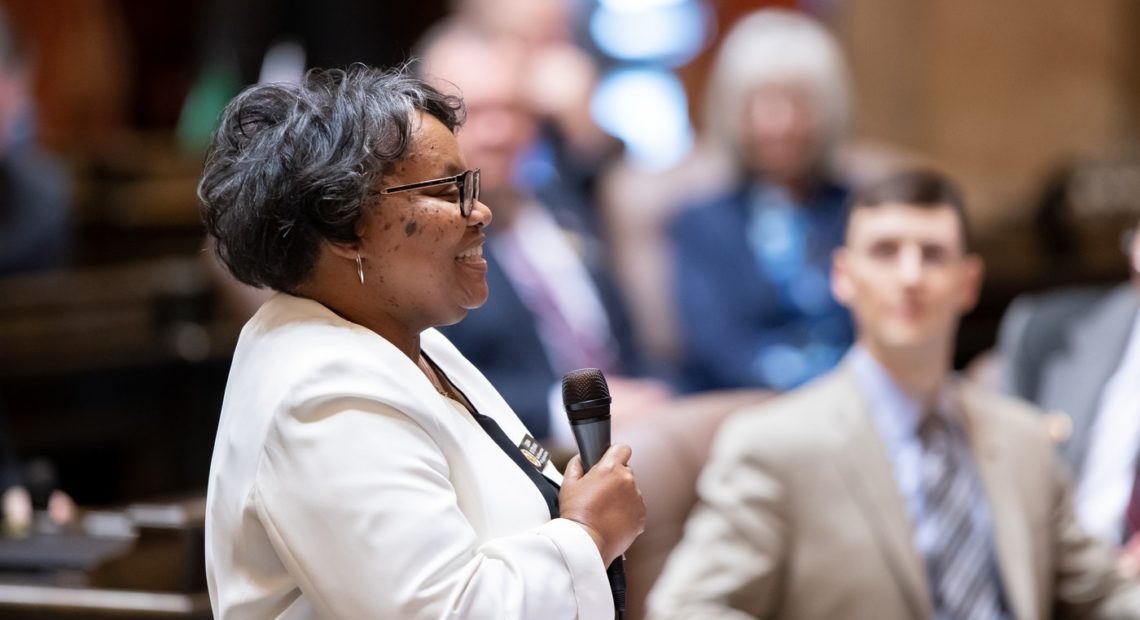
[(870, 477), (1010, 532)]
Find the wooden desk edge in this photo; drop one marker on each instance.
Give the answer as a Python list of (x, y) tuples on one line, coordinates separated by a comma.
[(93, 599)]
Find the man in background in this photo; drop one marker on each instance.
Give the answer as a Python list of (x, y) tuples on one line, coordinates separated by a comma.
[(890, 488), (34, 189), (34, 235), (551, 309), (1076, 354)]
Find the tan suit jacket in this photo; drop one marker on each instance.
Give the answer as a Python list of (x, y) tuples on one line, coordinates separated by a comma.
[(800, 517)]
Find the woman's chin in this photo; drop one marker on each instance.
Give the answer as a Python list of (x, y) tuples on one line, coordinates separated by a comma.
[(476, 297), (472, 301)]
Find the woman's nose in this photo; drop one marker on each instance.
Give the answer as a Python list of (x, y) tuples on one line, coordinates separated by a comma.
[(480, 215)]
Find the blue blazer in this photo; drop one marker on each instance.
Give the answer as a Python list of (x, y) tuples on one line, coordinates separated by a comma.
[(501, 339), (740, 327)]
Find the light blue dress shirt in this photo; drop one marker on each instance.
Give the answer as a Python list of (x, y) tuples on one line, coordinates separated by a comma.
[(896, 416)]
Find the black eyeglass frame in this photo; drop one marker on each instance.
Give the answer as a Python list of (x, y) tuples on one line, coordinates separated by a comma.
[(467, 182)]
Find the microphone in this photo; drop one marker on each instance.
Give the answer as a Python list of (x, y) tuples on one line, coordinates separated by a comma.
[(586, 397)]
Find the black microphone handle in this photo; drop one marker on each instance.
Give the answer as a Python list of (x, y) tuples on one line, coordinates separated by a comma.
[(593, 439), (616, 574), (587, 400)]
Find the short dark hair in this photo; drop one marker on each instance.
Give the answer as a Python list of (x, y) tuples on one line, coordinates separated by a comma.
[(292, 164), (917, 188)]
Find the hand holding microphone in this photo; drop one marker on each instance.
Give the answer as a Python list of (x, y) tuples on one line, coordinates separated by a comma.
[(606, 501), (598, 489)]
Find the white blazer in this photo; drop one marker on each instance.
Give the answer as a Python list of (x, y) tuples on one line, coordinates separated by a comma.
[(344, 486)]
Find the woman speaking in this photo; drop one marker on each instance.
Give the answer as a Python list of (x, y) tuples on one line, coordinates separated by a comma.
[(363, 468)]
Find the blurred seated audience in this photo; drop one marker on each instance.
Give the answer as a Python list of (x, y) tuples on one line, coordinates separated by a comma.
[(34, 188), (1076, 354), (636, 207), (27, 487), (890, 488), (751, 277), (551, 308), (1082, 208), (34, 235), (569, 151)]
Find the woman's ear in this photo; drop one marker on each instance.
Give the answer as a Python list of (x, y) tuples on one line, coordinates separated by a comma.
[(347, 251), (350, 249)]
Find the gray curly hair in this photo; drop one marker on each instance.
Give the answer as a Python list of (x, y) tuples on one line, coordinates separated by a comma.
[(292, 164)]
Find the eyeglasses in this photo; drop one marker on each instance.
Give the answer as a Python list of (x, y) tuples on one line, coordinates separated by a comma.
[(467, 182)]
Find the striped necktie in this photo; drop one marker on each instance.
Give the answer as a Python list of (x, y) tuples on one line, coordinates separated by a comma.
[(960, 563)]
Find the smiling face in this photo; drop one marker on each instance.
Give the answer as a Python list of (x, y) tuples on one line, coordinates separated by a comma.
[(906, 277), (423, 261)]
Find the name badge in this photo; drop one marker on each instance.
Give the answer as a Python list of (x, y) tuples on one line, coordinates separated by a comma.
[(535, 453)]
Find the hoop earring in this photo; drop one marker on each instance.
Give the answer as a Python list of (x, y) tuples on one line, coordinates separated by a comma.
[(360, 268)]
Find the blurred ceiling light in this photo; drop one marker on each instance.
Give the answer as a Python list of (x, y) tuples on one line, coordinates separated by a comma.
[(670, 32), (633, 6), (646, 109)]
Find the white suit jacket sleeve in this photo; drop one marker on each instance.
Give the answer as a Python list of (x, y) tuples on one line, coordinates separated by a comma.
[(352, 493)]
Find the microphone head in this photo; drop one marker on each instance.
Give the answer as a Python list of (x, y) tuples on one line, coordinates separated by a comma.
[(583, 390)]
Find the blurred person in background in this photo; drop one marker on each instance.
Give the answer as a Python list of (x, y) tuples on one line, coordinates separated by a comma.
[(890, 488), (553, 309), (35, 234), (363, 468), (35, 225), (751, 264), (1076, 354), (569, 151)]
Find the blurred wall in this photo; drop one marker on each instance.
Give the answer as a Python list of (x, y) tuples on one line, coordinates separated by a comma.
[(79, 50), (998, 92)]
